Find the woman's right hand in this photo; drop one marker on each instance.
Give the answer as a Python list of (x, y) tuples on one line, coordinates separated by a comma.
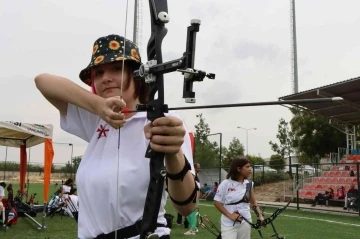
[(235, 216), (110, 111)]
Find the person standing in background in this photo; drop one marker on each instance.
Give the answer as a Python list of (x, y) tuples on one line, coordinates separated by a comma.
[(2, 195), (192, 217)]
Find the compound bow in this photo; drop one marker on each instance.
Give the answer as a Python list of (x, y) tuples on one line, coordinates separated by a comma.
[(153, 73)]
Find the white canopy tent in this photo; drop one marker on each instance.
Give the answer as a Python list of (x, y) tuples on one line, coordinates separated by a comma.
[(25, 135), (16, 134)]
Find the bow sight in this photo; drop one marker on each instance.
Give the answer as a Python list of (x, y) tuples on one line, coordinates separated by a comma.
[(185, 64)]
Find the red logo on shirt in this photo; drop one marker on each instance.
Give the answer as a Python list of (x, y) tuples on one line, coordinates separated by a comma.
[(231, 189), (102, 131)]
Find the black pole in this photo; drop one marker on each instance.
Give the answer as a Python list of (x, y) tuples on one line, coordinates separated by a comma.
[(358, 181), (28, 181), (290, 167), (71, 161), (5, 163), (253, 172), (297, 188), (220, 159)]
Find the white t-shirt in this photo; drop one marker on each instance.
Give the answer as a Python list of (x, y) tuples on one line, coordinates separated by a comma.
[(66, 188), (97, 172), (2, 191), (230, 191)]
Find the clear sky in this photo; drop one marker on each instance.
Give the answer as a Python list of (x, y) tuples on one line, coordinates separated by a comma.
[(246, 43)]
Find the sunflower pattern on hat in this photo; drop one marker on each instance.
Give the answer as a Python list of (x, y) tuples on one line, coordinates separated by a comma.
[(109, 49)]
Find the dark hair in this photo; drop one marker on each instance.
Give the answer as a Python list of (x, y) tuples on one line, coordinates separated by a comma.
[(72, 191), (3, 184), (70, 180), (236, 163)]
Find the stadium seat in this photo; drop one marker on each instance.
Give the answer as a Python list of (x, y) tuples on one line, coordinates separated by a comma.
[(348, 180), (341, 180), (308, 194), (335, 168), (334, 180), (307, 186), (302, 193), (316, 180), (351, 157), (329, 180)]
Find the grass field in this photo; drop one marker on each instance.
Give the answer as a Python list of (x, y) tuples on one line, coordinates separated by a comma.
[(291, 224)]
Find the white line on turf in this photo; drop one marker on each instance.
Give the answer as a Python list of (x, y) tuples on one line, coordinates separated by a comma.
[(306, 218)]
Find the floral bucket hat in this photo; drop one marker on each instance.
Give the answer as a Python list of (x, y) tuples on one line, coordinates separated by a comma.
[(110, 49)]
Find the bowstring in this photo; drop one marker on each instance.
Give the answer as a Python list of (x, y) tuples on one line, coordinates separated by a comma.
[(118, 153)]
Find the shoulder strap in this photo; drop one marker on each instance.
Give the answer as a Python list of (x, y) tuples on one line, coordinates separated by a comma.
[(247, 195)]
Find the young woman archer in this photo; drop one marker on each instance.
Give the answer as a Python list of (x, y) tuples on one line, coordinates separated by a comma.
[(96, 118), (233, 199)]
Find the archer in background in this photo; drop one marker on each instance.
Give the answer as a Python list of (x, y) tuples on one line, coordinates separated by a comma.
[(233, 200), (114, 166)]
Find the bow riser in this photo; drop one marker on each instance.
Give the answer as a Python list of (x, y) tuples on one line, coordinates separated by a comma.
[(153, 73), (157, 168)]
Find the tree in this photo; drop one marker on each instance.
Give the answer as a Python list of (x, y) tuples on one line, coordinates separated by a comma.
[(315, 137), (76, 163), (277, 162), (235, 149), (286, 138), (256, 160), (206, 152), (66, 169)]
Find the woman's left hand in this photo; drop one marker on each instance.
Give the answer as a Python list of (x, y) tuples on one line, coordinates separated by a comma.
[(166, 134), (261, 218)]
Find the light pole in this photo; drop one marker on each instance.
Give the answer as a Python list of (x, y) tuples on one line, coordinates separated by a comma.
[(6, 152), (220, 157), (247, 141), (71, 159)]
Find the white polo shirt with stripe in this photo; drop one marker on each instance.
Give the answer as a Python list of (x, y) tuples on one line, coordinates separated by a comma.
[(230, 191)]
